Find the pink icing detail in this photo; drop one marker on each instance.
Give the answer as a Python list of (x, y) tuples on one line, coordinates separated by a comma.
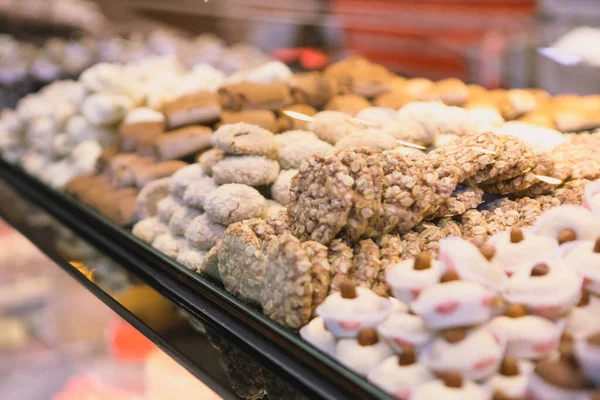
[(350, 325), (416, 291), (545, 347), (447, 260), (496, 337), (402, 394), (447, 307), (530, 395), (487, 301), (587, 281), (591, 191), (405, 344), (509, 273), (484, 363)]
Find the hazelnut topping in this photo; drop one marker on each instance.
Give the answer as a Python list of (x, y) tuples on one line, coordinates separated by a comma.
[(407, 357), (454, 335), (516, 235), (540, 269), (348, 290), (368, 337), (567, 235), (449, 277), (488, 251), (594, 339), (509, 367), (597, 246), (422, 261), (516, 311), (453, 380), (585, 299)]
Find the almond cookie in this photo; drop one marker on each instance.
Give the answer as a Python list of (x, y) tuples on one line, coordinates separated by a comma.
[(390, 247), (149, 229), (341, 260), (241, 262), (547, 202), (196, 192), (150, 195), (320, 271), (183, 177), (280, 190), (167, 206), (210, 263), (367, 263), (526, 162), (431, 234), (367, 173), (233, 202), (209, 158), (571, 192), (462, 199), (529, 184), (320, 198), (286, 138), (203, 233), (242, 138), (292, 154), (287, 283), (372, 139), (246, 170), (190, 256), (182, 218), (168, 244), (467, 155)]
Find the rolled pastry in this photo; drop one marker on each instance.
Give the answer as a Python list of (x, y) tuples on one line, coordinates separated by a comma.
[(156, 171), (312, 88), (517, 102), (125, 175), (263, 118), (103, 161), (182, 142), (140, 122), (197, 108), (121, 207), (252, 96)]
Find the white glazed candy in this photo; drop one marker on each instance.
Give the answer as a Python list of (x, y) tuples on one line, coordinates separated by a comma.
[(513, 250), (583, 320), (107, 78), (402, 330), (40, 134), (587, 351), (585, 256), (591, 198), (149, 229), (84, 156), (455, 303), (539, 389), (345, 317), (361, 358), (317, 334), (469, 262), (106, 109), (400, 381), (475, 353), (511, 386), (408, 278), (437, 390), (528, 336), (547, 289), (568, 217)]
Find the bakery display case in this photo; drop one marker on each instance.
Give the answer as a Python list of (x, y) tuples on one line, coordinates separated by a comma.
[(353, 201)]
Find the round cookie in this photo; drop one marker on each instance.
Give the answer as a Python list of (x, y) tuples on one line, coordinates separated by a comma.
[(320, 198), (183, 177), (204, 233), (168, 244), (181, 219), (209, 158), (196, 192), (272, 209), (246, 170), (292, 154), (285, 138), (167, 206), (149, 229), (320, 271), (242, 138), (372, 139), (331, 126), (233, 202), (190, 256), (280, 190), (287, 284), (150, 195)]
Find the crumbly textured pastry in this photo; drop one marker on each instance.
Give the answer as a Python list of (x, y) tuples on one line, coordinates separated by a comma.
[(246, 170), (462, 199), (292, 154), (341, 261), (204, 233), (209, 158), (391, 249), (242, 138), (331, 126), (367, 263), (233, 202), (280, 190), (197, 190), (320, 271), (372, 139)]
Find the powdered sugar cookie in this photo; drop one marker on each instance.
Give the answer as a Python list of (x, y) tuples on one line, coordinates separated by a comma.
[(242, 138), (168, 244), (181, 219), (209, 158), (372, 139), (196, 192), (331, 126), (292, 154), (190, 256), (167, 206), (288, 137), (246, 170), (280, 190), (181, 179), (203, 233), (233, 202), (150, 195), (149, 229)]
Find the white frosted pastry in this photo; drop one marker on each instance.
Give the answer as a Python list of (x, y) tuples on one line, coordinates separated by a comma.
[(584, 319), (363, 353), (471, 263), (585, 256), (403, 330), (181, 179), (168, 244), (376, 115), (454, 388), (587, 351), (62, 113), (400, 376), (190, 256), (548, 289), (143, 114), (182, 218), (40, 134), (85, 154), (556, 380), (149, 229), (106, 109), (591, 198), (516, 248), (167, 206), (317, 334), (568, 222), (33, 106), (408, 278), (527, 336), (352, 309), (454, 303), (107, 78), (475, 353), (541, 139), (510, 381)]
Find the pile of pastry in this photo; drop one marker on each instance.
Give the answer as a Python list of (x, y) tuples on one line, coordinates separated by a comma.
[(516, 317)]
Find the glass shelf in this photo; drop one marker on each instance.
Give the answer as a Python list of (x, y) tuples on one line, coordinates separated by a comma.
[(230, 346)]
